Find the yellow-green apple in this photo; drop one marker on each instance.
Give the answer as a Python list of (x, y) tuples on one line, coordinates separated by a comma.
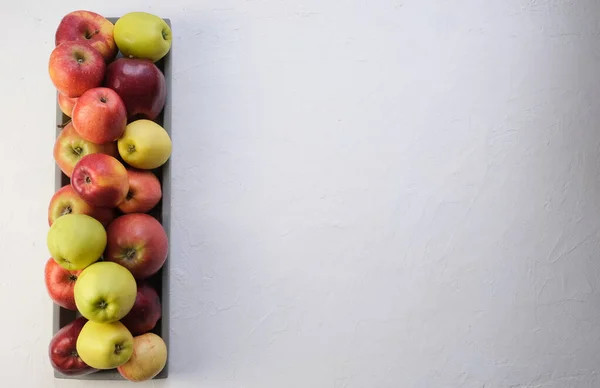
[(100, 180), (60, 283), (75, 67), (144, 145), (141, 85), (66, 201), (104, 345), (138, 242), (69, 147), (145, 312), (99, 116), (62, 350), (144, 192), (148, 359), (142, 35), (66, 104), (105, 292), (90, 27), (76, 240)]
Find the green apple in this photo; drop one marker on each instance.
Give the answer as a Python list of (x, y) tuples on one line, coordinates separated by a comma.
[(104, 345), (145, 145), (105, 292), (142, 35), (76, 240)]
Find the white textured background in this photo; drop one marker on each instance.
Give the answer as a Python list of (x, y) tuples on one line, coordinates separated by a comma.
[(366, 194)]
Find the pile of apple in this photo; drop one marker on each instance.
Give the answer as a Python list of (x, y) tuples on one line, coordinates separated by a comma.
[(105, 245)]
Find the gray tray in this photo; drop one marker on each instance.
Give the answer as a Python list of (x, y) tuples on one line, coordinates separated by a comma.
[(162, 212)]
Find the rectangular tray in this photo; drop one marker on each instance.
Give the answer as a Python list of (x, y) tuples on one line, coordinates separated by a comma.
[(162, 212)]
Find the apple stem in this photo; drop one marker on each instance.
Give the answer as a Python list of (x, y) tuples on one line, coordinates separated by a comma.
[(130, 254), (61, 126), (91, 35), (77, 151), (66, 210)]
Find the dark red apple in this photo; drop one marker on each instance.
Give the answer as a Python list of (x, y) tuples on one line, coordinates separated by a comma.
[(63, 352), (141, 85), (144, 192), (138, 242), (146, 311), (60, 284)]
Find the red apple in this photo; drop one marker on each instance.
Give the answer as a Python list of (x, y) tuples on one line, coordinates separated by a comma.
[(138, 242), (90, 27), (99, 116), (66, 104), (69, 148), (141, 85), (75, 67), (146, 311), (60, 283), (144, 192), (63, 352), (100, 180), (66, 201)]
